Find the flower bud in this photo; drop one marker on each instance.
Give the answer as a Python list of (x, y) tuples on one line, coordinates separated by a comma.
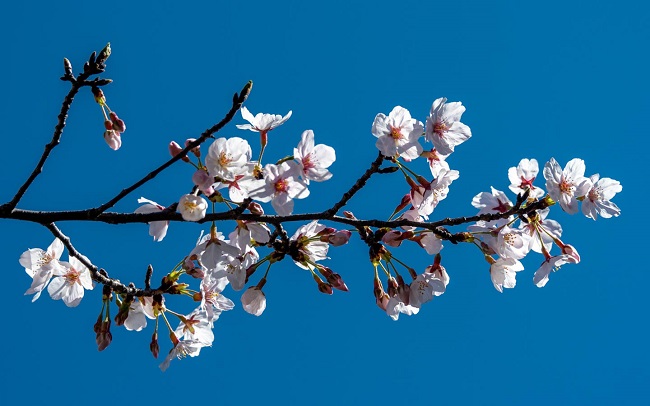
[(103, 335), (341, 237), (153, 345), (254, 301), (175, 149), (113, 139), (118, 123), (255, 208), (67, 67), (104, 54), (381, 297), (204, 181)]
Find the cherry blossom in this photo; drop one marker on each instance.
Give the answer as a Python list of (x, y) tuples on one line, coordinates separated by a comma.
[(212, 301), (181, 350), (192, 207), (550, 264), (137, 317), (512, 243), (564, 186), (426, 197), (228, 157), (309, 248), (261, 122), (495, 202), (254, 301), (428, 285), (436, 161), (522, 178), (541, 231), (196, 326), (281, 186), (69, 282), (597, 200), (157, 229), (313, 160), (503, 272), (40, 265), (398, 134), (443, 127)]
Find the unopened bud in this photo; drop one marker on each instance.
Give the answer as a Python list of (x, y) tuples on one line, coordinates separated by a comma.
[(153, 345), (103, 336), (255, 208), (339, 238), (67, 67), (104, 54), (113, 139), (349, 214), (118, 123), (175, 149)]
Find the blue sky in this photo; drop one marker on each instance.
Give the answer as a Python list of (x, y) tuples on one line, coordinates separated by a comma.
[(539, 80)]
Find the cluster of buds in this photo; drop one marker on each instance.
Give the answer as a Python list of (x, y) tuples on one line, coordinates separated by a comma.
[(114, 126)]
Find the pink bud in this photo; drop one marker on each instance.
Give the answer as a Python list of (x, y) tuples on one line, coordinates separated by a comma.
[(339, 238), (256, 208), (325, 288), (118, 123), (175, 149), (204, 181), (113, 139), (392, 238)]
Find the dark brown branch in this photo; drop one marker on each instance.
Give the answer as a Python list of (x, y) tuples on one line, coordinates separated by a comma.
[(45, 217), (238, 100), (77, 84)]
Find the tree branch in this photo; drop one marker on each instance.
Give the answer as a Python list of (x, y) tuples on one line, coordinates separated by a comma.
[(238, 100)]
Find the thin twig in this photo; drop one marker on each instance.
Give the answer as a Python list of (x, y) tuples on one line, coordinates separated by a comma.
[(238, 100), (358, 185)]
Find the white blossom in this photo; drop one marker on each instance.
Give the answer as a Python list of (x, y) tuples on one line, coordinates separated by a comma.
[(597, 200), (157, 229), (564, 186), (443, 127), (397, 134), (192, 207), (313, 160)]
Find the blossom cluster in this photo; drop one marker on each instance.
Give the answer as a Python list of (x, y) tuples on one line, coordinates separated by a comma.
[(229, 174)]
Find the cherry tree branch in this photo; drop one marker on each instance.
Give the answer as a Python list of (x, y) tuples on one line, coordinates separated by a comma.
[(90, 68), (238, 100)]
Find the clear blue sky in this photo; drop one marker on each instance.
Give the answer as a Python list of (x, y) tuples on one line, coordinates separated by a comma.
[(546, 79)]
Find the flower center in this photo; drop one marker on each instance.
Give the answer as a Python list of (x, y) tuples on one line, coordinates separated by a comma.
[(439, 127), (307, 163), (501, 207), (190, 206), (281, 186), (566, 187), (72, 276), (224, 159), (527, 183), (595, 194), (45, 259), (395, 133)]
